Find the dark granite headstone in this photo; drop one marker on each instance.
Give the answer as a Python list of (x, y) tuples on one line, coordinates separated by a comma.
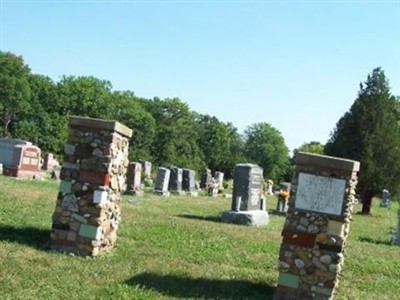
[(175, 179), (205, 179), (247, 187), (188, 182), (162, 180)]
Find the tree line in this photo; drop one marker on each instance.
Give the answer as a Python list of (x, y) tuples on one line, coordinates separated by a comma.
[(168, 133), (165, 131)]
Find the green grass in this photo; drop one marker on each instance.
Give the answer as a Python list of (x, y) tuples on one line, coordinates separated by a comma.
[(174, 248)]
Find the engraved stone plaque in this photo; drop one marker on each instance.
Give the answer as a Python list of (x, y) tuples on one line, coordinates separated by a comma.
[(320, 194)]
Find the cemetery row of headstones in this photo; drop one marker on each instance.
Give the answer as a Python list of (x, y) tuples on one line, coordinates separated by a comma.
[(174, 180)]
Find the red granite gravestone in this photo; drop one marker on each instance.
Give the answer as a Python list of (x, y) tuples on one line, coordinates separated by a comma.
[(133, 178), (316, 227), (25, 161)]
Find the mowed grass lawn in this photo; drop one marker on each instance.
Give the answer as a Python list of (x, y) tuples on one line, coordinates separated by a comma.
[(174, 248)]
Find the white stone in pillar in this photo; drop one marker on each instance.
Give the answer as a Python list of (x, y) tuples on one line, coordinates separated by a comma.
[(100, 197)]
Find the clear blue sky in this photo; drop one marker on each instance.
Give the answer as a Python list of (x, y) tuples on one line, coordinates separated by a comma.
[(294, 64)]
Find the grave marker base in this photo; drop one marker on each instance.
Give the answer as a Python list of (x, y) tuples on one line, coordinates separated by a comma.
[(254, 218), (162, 193)]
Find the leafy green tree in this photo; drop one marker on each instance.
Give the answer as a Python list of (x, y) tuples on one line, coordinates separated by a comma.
[(237, 153), (84, 96), (265, 146), (312, 147), (14, 89), (369, 132), (176, 137), (128, 109), (41, 123), (214, 142)]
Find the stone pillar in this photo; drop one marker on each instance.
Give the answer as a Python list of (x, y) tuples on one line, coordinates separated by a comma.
[(162, 181), (316, 226), (246, 198), (175, 180), (133, 180), (87, 210), (188, 182)]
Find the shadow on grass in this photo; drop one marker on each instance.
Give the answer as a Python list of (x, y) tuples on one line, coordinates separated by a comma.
[(216, 219), (276, 213), (183, 287), (373, 241), (31, 236)]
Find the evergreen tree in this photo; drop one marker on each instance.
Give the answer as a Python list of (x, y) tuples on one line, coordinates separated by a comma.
[(369, 132)]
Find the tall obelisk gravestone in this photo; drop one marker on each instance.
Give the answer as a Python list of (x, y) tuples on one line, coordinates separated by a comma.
[(316, 227), (93, 174)]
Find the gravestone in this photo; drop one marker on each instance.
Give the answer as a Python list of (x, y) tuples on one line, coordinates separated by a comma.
[(49, 162), (146, 170), (246, 198), (7, 149), (316, 226), (212, 189), (189, 182), (385, 201), (396, 240), (175, 180), (219, 179), (270, 185), (205, 179), (162, 181), (20, 159), (1, 169), (133, 179), (146, 167), (93, 175)]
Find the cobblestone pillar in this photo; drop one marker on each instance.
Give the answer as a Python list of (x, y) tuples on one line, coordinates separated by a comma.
[(93, 175), (316, 227)]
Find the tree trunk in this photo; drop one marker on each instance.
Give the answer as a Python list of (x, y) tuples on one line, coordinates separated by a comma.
[(367, 200), (6, 124)]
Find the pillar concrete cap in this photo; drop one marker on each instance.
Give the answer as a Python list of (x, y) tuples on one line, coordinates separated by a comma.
[(303, 158), (101, 124)]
